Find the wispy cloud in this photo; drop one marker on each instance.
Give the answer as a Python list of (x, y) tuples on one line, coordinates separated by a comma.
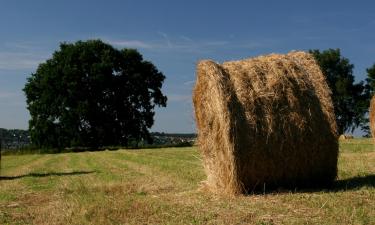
[(166, 42), (252, 44), (23, 46), (7, 94), (27, 55), (166, 38), (22, 55), (9, 98), (186, 44), (179, 98), (189, 83), (185, 38), (20, 60), (133, 44)]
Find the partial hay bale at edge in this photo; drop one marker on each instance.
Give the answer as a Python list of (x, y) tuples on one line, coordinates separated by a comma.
[(345, 137), (265, 121), (372, 116)]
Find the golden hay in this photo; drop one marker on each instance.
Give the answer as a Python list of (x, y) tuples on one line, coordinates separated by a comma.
[(372, 116), (265, 122)]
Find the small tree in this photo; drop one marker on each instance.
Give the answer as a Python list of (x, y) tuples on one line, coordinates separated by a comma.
[(350, 99), (90, 94)]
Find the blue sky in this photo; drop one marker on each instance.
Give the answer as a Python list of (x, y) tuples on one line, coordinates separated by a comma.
[(174, 35)]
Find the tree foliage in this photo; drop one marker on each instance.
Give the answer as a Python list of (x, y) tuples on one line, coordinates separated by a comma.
[(90, 94), (370, 91), (370, 80), (350, 99)]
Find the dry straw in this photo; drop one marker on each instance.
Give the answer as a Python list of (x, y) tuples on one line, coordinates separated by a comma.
[(265, 122), (372, 116)]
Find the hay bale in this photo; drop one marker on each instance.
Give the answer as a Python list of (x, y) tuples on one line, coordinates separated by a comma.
[(345, 137), (265, 122), (372, 116)]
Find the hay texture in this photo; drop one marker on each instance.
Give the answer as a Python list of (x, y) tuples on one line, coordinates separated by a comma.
[(265, 122), (372, 116)]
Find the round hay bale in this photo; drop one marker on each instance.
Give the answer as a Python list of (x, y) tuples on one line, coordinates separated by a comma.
[(372, 116), (265, 122)]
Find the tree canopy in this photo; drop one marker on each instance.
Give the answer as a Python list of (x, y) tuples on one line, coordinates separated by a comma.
[(90, 94), (370, 80), (350, 99)]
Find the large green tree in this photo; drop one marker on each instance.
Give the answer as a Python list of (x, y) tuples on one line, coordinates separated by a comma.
[(350, 99), (90, 94)]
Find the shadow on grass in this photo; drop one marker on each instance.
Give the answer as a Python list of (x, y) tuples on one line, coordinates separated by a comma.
[(354, 183), (348, 184), (46, 175)]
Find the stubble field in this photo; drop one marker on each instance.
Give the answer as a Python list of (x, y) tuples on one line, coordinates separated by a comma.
[(161, 186)]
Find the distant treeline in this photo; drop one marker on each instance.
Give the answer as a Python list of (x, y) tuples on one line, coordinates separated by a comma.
[(20, 139), (14, 138), (182, 135)]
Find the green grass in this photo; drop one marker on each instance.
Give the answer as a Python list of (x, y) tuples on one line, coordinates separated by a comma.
[(161, 186), (358, 145)]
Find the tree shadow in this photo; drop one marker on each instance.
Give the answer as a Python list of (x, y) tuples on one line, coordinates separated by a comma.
[(75, 173)]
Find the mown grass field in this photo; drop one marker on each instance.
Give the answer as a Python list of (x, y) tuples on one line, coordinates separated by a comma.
[(160, 186)]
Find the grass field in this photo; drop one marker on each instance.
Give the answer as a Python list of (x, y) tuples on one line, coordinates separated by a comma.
[(160, 186)]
